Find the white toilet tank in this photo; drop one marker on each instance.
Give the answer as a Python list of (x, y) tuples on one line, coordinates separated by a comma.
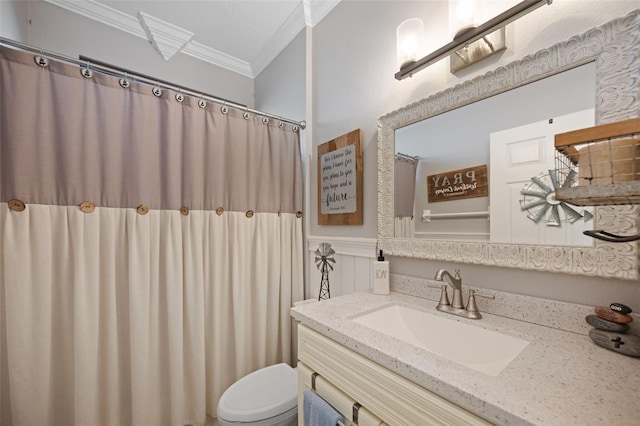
[(266, 397)]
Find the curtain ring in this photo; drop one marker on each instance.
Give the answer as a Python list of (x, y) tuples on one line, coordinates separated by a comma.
[(40, 60), (281, 125), (124, 82), (202, 103), (86, 72), (179, 96), (157, 91), (295, 128), (224, 109), (246, 115), (265, 120)]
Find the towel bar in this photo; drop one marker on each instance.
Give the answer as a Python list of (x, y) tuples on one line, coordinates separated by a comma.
[(354, 409), (354, 412)]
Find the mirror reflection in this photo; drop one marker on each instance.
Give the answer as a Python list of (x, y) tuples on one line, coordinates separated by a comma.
[(486, 171)]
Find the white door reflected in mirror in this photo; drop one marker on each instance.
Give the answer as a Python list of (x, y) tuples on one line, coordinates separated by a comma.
[(522, 179)]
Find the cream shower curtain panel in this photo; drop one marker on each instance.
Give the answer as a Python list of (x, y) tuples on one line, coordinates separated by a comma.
[(119, 316)]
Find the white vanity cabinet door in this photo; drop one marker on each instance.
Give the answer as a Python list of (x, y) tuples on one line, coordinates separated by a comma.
[(337, 399), (394, 399)]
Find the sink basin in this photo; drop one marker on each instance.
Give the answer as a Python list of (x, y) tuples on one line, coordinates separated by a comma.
[(483, 350)]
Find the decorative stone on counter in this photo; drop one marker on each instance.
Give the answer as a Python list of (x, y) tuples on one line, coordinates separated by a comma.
[(611, 315), (619, 307), (602, 324), (626, 344)]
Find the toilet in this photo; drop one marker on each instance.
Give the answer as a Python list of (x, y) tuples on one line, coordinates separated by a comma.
[(266, 397)]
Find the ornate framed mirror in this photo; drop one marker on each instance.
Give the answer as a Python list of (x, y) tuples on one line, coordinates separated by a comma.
[(615, 49)]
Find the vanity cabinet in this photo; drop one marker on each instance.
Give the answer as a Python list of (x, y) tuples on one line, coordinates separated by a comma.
[(385, 397)]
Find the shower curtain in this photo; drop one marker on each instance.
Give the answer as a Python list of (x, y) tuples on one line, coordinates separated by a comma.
[(150, 247), (404, 187)]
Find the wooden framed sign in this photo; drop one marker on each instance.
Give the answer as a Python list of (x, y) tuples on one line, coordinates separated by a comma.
[(458, 184), (340, 180)]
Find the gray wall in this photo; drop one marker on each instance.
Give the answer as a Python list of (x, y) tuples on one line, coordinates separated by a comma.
[(13, 19), (53, 28), (354, 62), (280, 88)]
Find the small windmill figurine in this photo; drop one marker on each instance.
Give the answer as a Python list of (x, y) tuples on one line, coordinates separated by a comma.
[(324, 260)]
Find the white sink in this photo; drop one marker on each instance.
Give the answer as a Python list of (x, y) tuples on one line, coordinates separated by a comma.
[(483, 350)]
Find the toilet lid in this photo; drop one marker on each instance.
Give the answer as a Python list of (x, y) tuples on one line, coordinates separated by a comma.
[(260, 395)]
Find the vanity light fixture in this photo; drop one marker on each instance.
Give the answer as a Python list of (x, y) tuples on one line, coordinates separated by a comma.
[(466, 37)]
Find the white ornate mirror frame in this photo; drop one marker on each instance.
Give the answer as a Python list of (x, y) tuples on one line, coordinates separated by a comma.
[(615, 48)]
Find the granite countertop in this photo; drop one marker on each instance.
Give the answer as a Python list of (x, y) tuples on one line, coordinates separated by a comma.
[(560, 378)]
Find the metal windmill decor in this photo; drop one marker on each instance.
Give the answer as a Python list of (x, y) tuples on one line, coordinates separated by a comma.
[(324, 260), (540, 203)]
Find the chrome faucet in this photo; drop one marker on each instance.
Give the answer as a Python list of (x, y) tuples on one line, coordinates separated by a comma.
[(456, 307)]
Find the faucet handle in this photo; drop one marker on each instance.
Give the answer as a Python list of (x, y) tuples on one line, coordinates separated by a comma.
[(444, 296), (486, 296), (471, 304)]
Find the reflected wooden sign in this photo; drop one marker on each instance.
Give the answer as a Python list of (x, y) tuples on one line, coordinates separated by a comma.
[(458, 184)]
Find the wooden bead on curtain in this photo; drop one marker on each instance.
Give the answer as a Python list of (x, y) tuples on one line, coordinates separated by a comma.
[(87, 207), (298, 214), (16, 205), (184, 210), (142, 209), (219, 211), (250, 214)]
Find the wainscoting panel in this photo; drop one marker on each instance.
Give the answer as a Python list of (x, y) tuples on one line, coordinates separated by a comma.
[(352, 270)]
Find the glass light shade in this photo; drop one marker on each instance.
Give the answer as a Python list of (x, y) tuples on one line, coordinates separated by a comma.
[(463, 14), (410, 39)]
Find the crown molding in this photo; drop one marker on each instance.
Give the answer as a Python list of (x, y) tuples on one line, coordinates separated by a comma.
[(215, 57), (129, 24), (103, 14), (285, 34), (168, 39), (318, 9), (308, 13)]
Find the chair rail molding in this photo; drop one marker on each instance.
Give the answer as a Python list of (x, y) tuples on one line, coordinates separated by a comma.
[(351, 246)]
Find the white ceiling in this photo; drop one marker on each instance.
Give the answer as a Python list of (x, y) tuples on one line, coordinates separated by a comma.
[(243, 36)]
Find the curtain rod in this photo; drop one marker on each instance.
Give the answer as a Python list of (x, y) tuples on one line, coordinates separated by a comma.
[(113, 70), (406, 157)]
